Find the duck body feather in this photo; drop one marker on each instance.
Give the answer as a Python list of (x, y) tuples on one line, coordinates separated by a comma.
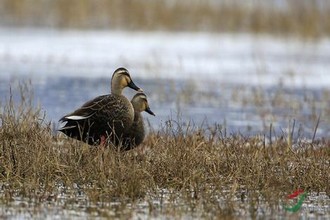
[(134, 136), (107, 115)]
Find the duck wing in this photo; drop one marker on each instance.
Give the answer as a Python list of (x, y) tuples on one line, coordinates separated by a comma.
[(79, 124), (104, 115), (88, 109)]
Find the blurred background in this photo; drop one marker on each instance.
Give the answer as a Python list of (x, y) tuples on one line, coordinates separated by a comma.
[(249, 66), (305, 18)]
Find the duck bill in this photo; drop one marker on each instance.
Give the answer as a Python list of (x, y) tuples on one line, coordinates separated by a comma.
[(133, 86), (150, 112)]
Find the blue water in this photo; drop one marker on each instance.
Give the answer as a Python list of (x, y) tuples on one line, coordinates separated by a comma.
[(234, 107), (241, 83)]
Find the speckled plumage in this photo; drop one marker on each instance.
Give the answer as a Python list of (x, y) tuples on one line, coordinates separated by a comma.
[(107, 115)]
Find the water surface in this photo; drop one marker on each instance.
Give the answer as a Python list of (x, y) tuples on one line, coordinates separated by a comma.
[(231, 80)]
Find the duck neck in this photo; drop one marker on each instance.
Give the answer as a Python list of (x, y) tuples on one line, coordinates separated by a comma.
[(116, 88)]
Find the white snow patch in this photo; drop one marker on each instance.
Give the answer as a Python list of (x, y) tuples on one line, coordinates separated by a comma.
[(226, 58)]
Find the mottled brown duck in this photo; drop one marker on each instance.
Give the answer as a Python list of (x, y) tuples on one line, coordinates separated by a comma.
[(136, 133), (104, 117)]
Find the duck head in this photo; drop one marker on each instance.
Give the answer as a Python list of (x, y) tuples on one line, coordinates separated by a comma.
[(121, 79), (140, 103)]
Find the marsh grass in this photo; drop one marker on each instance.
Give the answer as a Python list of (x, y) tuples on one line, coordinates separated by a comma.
[(202, 170), (290, 17)]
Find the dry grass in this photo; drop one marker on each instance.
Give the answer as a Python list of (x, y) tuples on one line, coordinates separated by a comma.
[(307, 18), (205, 169)]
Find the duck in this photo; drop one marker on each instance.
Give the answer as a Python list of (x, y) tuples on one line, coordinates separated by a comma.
[(104, 117), (134, 136)]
